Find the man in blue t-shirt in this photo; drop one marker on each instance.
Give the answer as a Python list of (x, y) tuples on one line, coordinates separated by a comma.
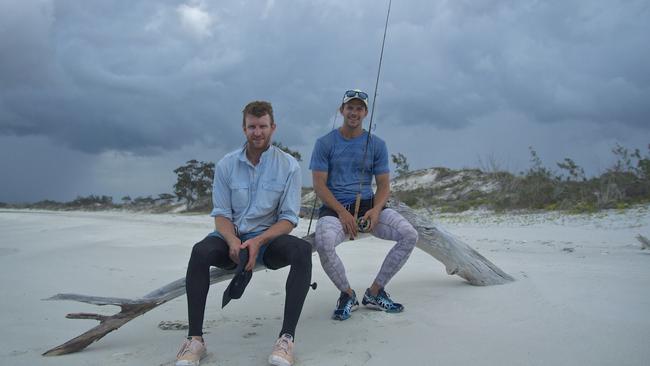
[(343, 164)]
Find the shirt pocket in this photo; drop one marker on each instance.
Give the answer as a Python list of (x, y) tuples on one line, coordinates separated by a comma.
[(239, 196), (270, 197)]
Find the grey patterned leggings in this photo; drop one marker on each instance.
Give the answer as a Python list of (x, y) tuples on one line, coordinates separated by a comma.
[(391, 226)]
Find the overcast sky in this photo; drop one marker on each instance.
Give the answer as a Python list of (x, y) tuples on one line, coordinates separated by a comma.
[(108, 97)]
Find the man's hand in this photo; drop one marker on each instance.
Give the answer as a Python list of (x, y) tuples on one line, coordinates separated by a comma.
[(373, 216), (253, 245), (349, 223), (233, 249)]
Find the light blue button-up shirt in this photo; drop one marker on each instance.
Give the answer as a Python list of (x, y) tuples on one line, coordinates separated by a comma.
[(254, 197)]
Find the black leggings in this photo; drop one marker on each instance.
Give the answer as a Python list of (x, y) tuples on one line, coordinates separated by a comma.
[(285, 250)]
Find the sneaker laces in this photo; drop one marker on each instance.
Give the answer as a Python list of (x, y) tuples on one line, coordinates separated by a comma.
[(282, 344), (349, 304), (185, 348), (346, 300), (384, 294), (384, 298)]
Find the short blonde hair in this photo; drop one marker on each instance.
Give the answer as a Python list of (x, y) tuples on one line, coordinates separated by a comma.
[(258, 108)]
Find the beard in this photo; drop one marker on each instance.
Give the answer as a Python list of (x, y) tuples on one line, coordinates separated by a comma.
[(260, 143)]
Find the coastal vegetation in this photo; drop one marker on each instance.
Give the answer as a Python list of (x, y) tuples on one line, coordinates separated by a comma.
[(625, 183), (564, 187)]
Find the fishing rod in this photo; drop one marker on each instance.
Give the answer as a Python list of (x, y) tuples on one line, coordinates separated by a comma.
[(357, 204), (363, 224)]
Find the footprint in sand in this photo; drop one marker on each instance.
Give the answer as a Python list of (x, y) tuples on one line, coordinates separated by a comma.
[(173, 325)]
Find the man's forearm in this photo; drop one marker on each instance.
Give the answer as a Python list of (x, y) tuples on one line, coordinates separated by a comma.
[(381, 197), (225, 227), (328, 199), (279, 228)]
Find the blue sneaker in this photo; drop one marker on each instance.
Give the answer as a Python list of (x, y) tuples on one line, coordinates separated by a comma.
[(381, 302), (345, 306)]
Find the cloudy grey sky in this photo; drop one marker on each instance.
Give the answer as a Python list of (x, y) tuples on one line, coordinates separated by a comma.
[(108, 97)]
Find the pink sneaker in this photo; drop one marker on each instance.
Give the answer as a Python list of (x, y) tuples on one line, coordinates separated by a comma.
[(282, 354), (191, 353)]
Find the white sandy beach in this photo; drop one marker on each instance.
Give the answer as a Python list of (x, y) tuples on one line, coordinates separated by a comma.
[(582, 295)]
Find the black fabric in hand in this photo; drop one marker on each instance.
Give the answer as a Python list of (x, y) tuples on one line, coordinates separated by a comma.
[(239, 282)]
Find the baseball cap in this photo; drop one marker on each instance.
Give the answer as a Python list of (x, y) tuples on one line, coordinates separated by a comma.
[(355, 94)]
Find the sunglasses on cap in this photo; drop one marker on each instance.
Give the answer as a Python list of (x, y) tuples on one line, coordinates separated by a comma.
[(356, 94)]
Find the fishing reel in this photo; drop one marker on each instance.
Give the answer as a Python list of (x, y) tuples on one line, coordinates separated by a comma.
[(363, 226)]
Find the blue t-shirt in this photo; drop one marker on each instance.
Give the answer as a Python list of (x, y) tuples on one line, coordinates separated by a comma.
[(342, 160)]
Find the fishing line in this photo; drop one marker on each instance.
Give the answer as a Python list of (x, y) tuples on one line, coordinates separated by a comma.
[(365, 150), (357, 203)]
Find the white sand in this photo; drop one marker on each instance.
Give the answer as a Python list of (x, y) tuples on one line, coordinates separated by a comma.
[(582, 295)]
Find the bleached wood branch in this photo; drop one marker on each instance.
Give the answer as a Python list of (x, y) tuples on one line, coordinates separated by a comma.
[(459, 259)]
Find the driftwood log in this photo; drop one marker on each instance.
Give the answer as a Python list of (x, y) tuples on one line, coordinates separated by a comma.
[(459, 259)]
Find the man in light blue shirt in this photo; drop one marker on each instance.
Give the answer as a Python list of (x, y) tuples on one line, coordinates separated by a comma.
[(256, 199)]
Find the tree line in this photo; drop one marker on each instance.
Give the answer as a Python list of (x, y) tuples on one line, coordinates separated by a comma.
[(567, 187)]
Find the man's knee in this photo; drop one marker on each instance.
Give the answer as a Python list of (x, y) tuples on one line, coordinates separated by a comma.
[(406, 231), (200, 249), (410, 235), (301, 250), (411, 232), (198, 259), (207, 250), (296, 251), (325, 236), (326, 250), (305, 254)]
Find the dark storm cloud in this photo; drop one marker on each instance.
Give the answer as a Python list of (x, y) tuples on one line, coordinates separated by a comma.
[(113, 79), (574, 61), (150, 76)]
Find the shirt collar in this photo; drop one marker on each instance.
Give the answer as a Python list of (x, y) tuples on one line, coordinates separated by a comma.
[(265, 154), (242, 154)]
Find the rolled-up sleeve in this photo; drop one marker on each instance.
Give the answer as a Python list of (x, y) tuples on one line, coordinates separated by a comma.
[(221, 205), (289, 206), (319, 160)]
